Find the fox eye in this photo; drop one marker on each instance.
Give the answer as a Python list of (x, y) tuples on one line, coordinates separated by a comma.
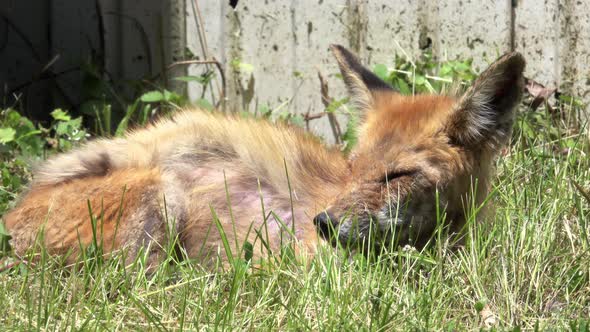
[(392, 175)]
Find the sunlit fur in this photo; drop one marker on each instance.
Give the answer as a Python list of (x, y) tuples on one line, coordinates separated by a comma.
[(182, 174), (419, 156), (404, 137)]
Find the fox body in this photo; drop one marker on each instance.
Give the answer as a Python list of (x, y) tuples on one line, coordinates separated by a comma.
[(205, 175)]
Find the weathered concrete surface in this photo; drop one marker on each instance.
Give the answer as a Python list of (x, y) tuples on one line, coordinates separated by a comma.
[(452, 28), (285, 42), (282, 38), (555, 37), (395, 27), (314, 29), (574, 45), (471, 28), (537, 37), (282, 44)]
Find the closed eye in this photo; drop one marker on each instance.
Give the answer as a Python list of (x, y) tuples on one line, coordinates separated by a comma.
[(389, 176)]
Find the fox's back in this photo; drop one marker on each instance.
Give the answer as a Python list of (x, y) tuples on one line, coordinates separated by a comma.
[(174, 175)]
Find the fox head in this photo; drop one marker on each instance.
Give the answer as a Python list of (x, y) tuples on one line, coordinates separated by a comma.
[(419, 157)]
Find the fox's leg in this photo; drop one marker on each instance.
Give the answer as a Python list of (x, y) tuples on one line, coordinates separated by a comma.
[(125, 205)]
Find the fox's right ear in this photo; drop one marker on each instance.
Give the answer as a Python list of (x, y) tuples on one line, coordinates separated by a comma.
[(360, 82)]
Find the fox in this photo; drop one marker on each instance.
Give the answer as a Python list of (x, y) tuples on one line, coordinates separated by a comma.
[(210, 176)]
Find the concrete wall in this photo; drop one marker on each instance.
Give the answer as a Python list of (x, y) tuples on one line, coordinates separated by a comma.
[(287, 41), (284, 41)]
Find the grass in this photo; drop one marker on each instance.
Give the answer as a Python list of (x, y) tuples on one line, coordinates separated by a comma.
[(526, 267), (523, 267)]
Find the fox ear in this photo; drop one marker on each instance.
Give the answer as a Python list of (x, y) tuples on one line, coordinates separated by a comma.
[(360, 82), (485, 113)]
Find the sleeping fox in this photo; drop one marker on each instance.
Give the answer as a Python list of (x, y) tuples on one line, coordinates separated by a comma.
[(207, 175)]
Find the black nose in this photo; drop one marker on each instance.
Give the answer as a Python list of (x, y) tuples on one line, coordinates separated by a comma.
[(325, 223)]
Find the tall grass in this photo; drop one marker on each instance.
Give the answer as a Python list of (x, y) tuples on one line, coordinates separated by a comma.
[(525, 267)]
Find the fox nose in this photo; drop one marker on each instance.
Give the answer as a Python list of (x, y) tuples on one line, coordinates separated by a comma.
[(325, 223)]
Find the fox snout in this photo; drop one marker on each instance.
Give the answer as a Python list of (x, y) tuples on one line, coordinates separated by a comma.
[(326, 223), (349, 230)]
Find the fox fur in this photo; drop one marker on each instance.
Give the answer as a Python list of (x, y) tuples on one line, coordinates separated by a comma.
[(202, 175)]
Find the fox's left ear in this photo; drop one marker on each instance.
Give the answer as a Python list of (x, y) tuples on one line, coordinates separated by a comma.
[(360, 82), (485, 114)]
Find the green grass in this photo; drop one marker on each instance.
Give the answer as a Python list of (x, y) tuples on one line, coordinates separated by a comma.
[(526, 267)]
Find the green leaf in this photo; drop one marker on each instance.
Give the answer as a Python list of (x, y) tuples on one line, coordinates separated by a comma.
[(60, 115), (419, 80), (68, 128), (76, 123), (64, 144), (479, 305), (248, 251), (3, 230), (204, 104), (145, 114), (336, 104), (403, 87), (124, 124), (168, 96), (4, 239), (160, 96), (30, 133), (152, 97), (264, 111), (462, 66), (61, 128), (7, 135), (297, 120), (381, 71), (350, 137), (445, 70)]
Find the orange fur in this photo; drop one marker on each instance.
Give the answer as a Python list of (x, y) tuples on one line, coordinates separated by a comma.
[(62, 212)]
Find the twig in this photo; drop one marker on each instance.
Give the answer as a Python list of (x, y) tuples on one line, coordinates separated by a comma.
[(49, 64), (213, 61), (308, 117), (305, 118), (327, 100), (204, 44)]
